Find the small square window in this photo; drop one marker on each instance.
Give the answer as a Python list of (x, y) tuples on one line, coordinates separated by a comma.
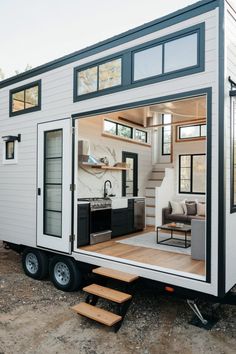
[(25, 99)]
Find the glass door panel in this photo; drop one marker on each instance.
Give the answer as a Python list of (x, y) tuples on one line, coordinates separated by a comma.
[(130, 177), (54, 179)]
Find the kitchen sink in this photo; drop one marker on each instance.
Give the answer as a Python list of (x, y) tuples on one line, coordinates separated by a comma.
[(119, 203)]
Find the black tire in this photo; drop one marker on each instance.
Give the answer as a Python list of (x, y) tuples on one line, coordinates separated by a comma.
[(35, 263), (64, 273)]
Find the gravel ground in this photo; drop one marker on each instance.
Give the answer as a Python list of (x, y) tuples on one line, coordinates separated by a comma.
[(36, 318)]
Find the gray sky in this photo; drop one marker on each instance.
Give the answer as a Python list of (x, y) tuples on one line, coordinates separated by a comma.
[(37, 31)]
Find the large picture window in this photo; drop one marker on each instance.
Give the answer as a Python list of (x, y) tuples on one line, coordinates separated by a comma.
[(181, 53), (168, 57), (25, 99), (148, 63), (192, 174)]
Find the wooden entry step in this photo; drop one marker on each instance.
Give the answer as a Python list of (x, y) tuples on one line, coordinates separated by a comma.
[(107, 293), (115, 274), (97, 314)]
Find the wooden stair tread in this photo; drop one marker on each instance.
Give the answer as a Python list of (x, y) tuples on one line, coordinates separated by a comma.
[(150, 206), (97, 314), (115, 274), (107, 293), (155, 179)]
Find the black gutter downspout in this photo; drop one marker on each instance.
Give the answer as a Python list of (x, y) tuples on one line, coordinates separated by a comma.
[(221, 172)]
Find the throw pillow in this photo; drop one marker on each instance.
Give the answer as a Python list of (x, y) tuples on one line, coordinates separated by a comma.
[(183, 204), (176, 208), (191, 208), (201, 209)]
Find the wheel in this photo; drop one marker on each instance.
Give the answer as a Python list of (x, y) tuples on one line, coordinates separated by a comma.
[(64, 273), (35, 263)]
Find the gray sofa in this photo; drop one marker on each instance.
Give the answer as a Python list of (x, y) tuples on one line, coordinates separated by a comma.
[(167, 217)]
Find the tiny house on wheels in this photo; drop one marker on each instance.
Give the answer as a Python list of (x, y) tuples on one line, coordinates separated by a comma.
[(122, 156)]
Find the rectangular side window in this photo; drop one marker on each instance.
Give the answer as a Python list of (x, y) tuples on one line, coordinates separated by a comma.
[(148, 63), (181, 53), (25, 99), (189, 132), (99, 77), (125, 131), (192, 174), (166, 134)]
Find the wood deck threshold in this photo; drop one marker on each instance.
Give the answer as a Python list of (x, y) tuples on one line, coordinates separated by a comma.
[(149, 256)]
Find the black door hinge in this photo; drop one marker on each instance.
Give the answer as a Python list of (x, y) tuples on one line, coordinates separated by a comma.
[(72, 187), (72, 238)]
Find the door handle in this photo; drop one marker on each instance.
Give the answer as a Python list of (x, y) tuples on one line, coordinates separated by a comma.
[(39, 191)]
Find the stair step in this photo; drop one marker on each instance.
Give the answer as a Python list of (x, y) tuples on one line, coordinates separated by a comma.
[(107, 293), (150, 216), (115, 274), (150, 221), (97, 314), (150, 206)]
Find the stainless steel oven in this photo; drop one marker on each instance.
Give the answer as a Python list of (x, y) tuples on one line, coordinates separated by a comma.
[(100, 219)]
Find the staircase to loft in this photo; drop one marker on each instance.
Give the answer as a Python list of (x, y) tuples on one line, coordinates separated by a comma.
[(155, 180)]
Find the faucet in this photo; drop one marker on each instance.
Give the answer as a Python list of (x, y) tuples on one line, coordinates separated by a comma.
[(105, 187)]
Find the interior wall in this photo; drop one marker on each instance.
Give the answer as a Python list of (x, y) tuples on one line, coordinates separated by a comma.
[(91, 180)]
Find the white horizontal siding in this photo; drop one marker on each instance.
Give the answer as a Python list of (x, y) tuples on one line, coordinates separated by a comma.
[(57, 103)]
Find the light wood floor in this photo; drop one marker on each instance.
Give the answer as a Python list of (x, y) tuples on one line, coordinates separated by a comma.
[(149, 256)]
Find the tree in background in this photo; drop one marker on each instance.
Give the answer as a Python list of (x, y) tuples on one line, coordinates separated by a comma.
[(28, 67), (17, 72), (1, 74)]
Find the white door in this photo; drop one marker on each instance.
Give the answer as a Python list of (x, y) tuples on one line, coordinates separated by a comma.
[(54, 179)]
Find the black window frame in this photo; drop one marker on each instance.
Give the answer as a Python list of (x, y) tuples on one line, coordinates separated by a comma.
[(162, 43), (200, 136), (163, 136), (117, 128), (127, 56), (191, 174), (96, 65), (141, 131), (6, 155), (38, 84), (133, 131)]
